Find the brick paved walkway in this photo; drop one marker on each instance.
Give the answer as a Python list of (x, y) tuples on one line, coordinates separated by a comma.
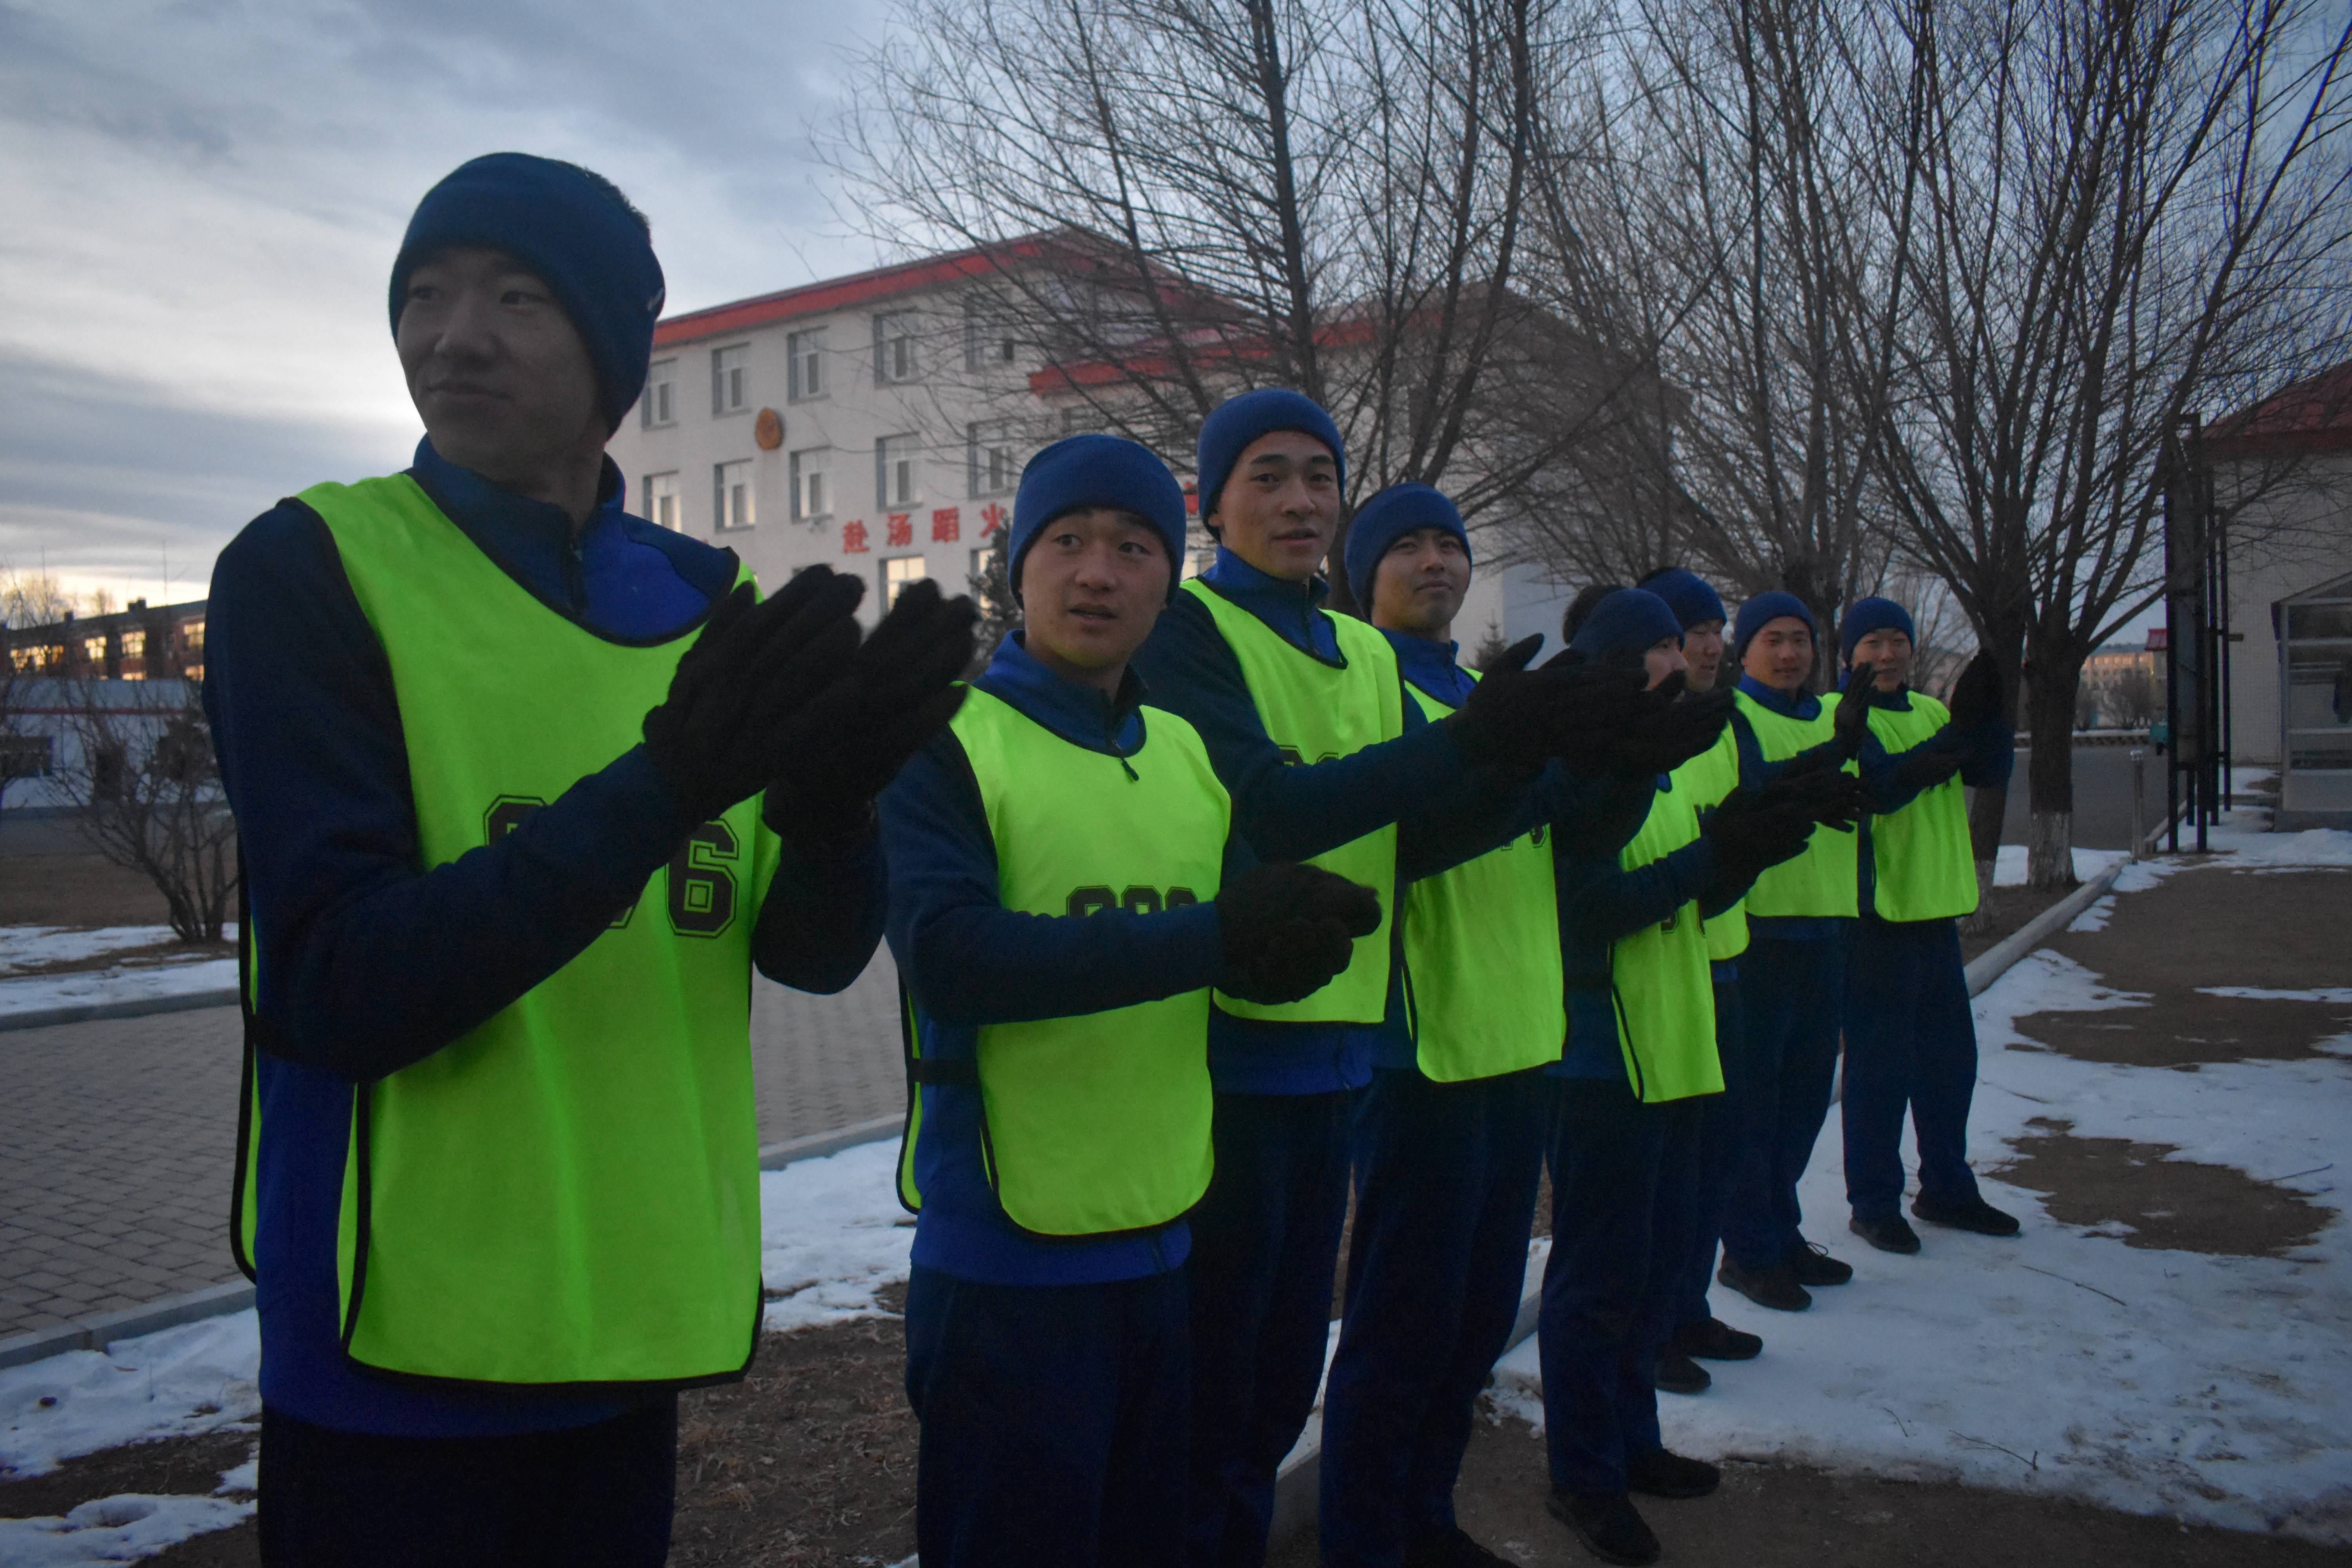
[(117, 1137)]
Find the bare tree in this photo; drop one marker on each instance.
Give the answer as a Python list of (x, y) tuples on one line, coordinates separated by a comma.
[(2128, 208), (151, 797), (28, 599)]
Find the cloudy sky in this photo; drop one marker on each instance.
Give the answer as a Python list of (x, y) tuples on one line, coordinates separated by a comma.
[(201, 202)]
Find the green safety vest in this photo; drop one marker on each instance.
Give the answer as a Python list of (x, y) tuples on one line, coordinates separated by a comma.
[(1314, 711), (1482, 968), (569, 1194), (1707, 778), (1922, 864), (1664, 999), (1098, 1123), (1822, 880)]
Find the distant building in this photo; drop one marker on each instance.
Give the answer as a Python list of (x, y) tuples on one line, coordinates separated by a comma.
[(137, 642), (2291, 590), (2123, 686)]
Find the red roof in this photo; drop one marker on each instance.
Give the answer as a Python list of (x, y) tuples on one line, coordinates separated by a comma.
[(832, 294), (2312, 415)]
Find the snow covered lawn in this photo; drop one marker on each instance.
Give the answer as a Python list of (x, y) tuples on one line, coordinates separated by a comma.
[(135, 979), (2214, 1389)]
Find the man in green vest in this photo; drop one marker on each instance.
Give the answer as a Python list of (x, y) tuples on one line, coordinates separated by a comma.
[(1065, 890), (1910, 1035), (1306, 721), (525, 786)]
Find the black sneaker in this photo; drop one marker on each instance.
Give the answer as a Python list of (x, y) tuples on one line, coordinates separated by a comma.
[(1678, 1373), (1450, 1548), (1810, 1263), (1607, 1524), (1975, 1214), (1776, 1287), (1888, 1233), (1662, 1474), (1712, 1339)]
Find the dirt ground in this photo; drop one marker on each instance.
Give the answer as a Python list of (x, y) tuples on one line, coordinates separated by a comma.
[(2005, 911)]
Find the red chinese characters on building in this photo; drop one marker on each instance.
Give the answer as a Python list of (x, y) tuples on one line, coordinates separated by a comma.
[(853, 539), (993, 515), (900, 531), (947, 525)]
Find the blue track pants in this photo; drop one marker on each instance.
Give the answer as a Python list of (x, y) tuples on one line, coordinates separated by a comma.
[(1910, 1045), (1792, 993)]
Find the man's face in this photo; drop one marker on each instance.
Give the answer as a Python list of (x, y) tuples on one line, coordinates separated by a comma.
[(498, 371), (1664, 657), (1417, 586), (1780, 655), (1703, 651), (1092, 585), (1888, 652), (1280, 506)]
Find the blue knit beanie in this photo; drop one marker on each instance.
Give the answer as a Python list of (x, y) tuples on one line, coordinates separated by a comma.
[(1764, 607), (1238, 421), (1623, 626), (1387, 517), (1687, 593), (1868, 616), (573, 230), (1093, 470)]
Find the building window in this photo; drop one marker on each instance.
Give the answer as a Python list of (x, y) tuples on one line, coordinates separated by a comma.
[(728, 375), (806, 374), (24, 756), (93, 650), (192, 634), (730, 502), (894, 471), (662, 501), (985, 342), (1084, 419), (894, 346), (659, 404), (990, 456), (897, 574), (811, 497), (134, 644)]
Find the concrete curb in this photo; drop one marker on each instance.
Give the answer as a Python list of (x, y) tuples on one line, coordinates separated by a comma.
[(136, 1007), (98, 1332), (1996, 960)]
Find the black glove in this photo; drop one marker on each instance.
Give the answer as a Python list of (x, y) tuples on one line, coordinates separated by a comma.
[(720, 735), (1827, 796), (1850, 723), (1976, 696), (1674, 732), (896, 693), (1754, 828), (1518, 719), (1288, 929)]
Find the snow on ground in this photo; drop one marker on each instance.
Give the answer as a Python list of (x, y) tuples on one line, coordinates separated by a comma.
[(176, 974), (832, 1233), (115, 1530), (24, 946), (2009, 865), (2212, 1389)]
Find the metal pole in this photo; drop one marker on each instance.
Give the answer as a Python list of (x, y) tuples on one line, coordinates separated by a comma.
[(2140, 802)]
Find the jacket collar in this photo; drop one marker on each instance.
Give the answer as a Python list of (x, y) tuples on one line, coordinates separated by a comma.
[(1078, 714)]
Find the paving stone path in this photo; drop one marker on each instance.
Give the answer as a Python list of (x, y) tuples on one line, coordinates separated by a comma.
[(117, 1137)]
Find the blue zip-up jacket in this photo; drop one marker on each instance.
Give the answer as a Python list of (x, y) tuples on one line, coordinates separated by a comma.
[(967, 961), (1985, 758), (1588, 816), (1292, 812), (367, 962), (1600, 902)]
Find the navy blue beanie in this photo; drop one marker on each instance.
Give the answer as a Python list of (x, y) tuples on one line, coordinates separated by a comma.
[(1093, 470), (573, 230), (1226, 433), (1623, 626), (1387, 517), (1764, 607), (1868, 616), (1687, 593)]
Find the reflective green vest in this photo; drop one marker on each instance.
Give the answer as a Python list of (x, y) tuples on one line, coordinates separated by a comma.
[(1098, 1123), (1314, 711), (1922, 864), (1481, 969), (1707, 779), (1820, 882), (1665, 1001), (568, 1194)]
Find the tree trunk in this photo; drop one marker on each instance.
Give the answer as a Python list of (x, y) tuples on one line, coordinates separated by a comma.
[(1989, 808), (2050, 688)]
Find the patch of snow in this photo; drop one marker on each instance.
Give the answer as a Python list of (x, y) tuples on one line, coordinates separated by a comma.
[(2338, 994), (116, 985), (21, 947), (2065, 1362), (198, 1377), (121, 1529), (2095, 917), (831, 1234), (244, 1478), (2009, 865)]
